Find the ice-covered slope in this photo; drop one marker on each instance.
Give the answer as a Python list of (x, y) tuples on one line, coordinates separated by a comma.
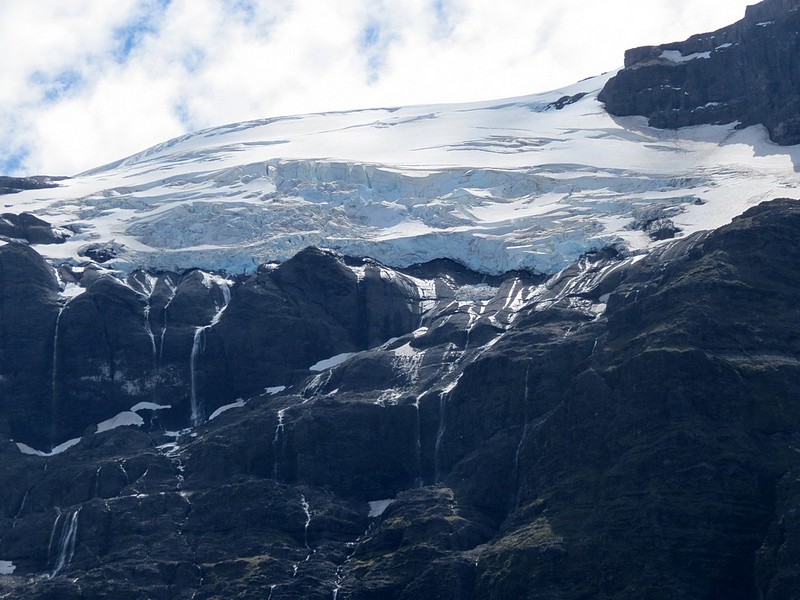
[(530, 182)]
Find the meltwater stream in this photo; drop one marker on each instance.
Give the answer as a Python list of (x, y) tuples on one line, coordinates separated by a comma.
[(198, 346), (66, 540)]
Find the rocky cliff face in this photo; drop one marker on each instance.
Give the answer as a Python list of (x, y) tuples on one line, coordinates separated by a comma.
[(625, 429), (331, 427), (747, 72)]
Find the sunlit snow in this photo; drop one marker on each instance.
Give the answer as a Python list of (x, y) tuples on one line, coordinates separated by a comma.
[(497, 185), (25, 449), (238, 404), (331, 362), (149, 406), (123, 419), (378, 507)]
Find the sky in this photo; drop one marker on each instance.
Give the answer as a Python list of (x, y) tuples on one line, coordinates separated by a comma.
[(86, 82)]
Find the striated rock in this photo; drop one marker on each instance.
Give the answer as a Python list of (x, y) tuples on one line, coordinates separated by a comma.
[(745, 73)]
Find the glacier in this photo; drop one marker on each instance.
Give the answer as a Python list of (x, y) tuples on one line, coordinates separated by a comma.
[(525, 183)]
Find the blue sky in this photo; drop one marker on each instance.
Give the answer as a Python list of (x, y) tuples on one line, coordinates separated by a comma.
[(89, 81)]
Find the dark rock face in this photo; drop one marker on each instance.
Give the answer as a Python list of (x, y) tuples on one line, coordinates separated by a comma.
[(747, 72), (626, 429), (12, 185), (29, 228), (29, 305), (190, 342)]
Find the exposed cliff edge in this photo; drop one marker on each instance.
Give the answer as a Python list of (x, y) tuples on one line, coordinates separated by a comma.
[(747, 72)]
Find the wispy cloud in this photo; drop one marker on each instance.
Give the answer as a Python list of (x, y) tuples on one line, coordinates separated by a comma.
[(86, 82)]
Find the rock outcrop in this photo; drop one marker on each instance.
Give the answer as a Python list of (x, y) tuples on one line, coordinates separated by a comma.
[(610, 433), (746, 73), (12, 185), (29, 228)]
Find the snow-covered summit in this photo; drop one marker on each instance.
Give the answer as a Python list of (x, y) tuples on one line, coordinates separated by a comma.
[(531, 182)]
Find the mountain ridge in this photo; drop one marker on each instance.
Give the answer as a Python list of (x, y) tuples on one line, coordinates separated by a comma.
[(621, 421)]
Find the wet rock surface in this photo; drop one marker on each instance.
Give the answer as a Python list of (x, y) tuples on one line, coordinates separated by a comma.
[(746, 72), (628, 428)]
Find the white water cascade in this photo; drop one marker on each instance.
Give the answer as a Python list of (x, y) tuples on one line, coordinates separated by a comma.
[(66, 541), (54, 380), (149, 331), (524, 428), (278, 442), (443, 396), (55, 353), (307, 510), (173, 291), (196, 417), (418, 443), (198, 346)]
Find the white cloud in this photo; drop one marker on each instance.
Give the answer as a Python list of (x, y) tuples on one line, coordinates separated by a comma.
[(89, 81)]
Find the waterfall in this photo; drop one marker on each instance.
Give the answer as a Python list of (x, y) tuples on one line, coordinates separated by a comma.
[(524, 428), (66, 542), (307, 511), (54, 382), (418, 444), (21, 508), (173, 292), (277, 443), (149, 330), (97, 481), (196, 416), (55, 352), (440, 434), (198, 346), (519, 450)]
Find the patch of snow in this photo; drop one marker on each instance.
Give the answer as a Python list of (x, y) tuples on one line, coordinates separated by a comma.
[(406, 351), (723, 46), (331, 362), (149, 406), (765, 23), (474, 293), (7, 567), (238, 404), (274, 390), (378, 507), (676, 56), (123, 419), (25, 449), (72, 290)]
